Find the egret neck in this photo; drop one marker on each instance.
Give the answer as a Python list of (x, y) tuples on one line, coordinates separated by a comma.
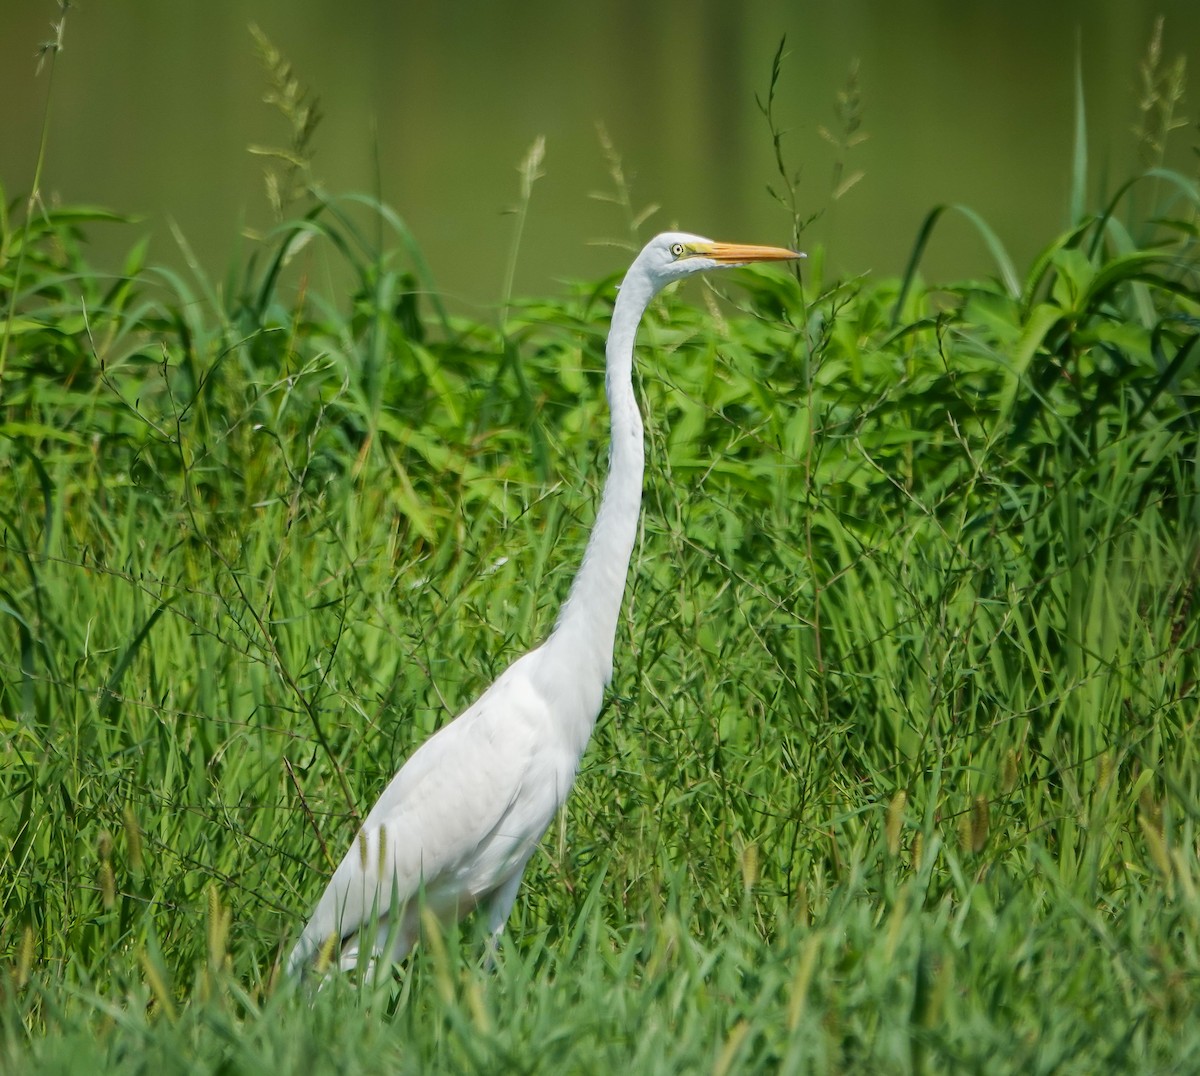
[(585, 630)]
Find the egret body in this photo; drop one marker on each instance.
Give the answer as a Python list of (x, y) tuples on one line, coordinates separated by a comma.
[(456, 826)]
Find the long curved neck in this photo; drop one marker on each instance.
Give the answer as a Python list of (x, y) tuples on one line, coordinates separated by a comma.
[(587, 624)]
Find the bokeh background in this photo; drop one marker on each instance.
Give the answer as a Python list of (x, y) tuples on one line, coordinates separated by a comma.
[(432, 106)]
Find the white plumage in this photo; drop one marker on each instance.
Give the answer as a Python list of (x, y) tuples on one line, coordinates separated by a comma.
[(457, 825)]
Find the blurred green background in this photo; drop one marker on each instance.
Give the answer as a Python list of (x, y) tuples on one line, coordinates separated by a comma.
[(432, 106)]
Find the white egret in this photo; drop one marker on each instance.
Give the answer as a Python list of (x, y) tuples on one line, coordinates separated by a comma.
[(457, 825)]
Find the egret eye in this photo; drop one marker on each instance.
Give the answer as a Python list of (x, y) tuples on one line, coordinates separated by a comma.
[(677, 250)]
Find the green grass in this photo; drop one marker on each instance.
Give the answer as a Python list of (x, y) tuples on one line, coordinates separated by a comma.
[(899, 771)]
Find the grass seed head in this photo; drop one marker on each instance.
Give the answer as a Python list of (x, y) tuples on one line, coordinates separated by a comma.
[(108, 884), (24, 957), (980, 824), (133, 839), (325, 954), (895, 821), (1008, 776), (749, 863)]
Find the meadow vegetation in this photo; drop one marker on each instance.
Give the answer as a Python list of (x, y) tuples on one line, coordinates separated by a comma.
[(899, 771)]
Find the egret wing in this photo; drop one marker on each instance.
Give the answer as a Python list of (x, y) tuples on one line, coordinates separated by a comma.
[(457, 819)]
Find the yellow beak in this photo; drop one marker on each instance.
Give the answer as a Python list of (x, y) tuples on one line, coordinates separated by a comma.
[(743, 253)]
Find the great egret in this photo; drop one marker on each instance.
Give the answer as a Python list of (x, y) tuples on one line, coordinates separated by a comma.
[(457, 825)]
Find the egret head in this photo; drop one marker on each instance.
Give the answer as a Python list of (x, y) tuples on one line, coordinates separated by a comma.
[(674, 255)]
